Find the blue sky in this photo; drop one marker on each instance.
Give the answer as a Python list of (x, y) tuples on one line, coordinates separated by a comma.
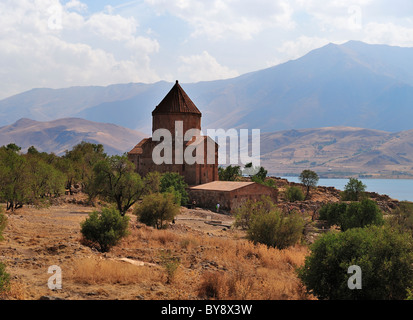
[(56, 44)]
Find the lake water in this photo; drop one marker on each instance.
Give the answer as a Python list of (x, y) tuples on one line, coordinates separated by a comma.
[(400, 189)]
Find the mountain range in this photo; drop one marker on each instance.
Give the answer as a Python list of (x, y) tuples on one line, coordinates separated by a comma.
[(330, 151), (353, 84), (60, 135)]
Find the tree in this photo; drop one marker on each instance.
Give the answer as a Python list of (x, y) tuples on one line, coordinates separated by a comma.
[(157, 209), (309, 179), (105, 228), (294, 193), (257, 174), (152, 182), (384, 255), (352, 215), (230, 173), (13, 189), (116, 180), (177, 182), (79, 165), (354, 190)]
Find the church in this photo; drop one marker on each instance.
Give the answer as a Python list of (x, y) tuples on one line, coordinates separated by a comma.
[(177, 114)]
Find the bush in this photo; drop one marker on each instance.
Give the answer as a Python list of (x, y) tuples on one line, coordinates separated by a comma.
[(3, 223), (294, 193), (105, 228), (245, 214), (352, 215), (157, 209), (384, 256), (4, 279), (275, 229)]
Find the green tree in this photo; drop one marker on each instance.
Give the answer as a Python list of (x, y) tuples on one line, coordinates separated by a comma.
[(354, 190), (13, 188), (152, 182), (384, 255), (309, 179), (80, 163), (157, 209), (352, 215), (175, 180), (230, 173), (105, 228), (115, 179), (293, 193)]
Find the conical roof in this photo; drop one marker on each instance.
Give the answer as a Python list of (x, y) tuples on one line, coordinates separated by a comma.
[(176, 101)]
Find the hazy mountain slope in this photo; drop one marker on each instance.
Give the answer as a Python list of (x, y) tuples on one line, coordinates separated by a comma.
[(338, 150), (60, 135), (353, 84)]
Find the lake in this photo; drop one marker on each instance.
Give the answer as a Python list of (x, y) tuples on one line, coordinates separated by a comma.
[(400, 189)]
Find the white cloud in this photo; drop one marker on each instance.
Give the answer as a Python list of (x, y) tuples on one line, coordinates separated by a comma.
[(76, 5), (100, 49), (204, 67), (219, 19)]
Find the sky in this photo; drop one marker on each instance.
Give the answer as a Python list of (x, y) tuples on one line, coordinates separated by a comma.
[(59, 44)]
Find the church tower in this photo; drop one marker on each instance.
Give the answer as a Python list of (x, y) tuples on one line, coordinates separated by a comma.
[(177, 107)]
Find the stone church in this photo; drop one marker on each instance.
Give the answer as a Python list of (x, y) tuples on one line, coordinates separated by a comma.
[(178, 109), (177, 114)]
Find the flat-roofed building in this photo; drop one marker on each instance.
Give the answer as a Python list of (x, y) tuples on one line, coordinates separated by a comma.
[(229, 194)]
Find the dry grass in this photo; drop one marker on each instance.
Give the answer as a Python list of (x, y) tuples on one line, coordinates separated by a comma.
[(222, 267), (100, 271)]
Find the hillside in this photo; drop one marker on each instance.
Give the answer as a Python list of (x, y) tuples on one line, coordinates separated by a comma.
[(339, 152), (353, 84), (60, 135)]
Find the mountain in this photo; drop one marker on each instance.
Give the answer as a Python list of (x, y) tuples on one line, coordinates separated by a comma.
[(339, 152), (60, 135), (354, 84)]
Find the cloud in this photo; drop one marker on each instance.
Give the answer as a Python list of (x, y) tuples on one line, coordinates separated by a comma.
[(46, 44), (204, 67), (218, 19)]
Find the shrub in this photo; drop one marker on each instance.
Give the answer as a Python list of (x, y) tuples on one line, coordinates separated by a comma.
[(275, 229), (245, 214), (402, 216), (384, 255), (105, 228), (352, 215), (3, 223), (4, 279), (294, 193), (157, 209)]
